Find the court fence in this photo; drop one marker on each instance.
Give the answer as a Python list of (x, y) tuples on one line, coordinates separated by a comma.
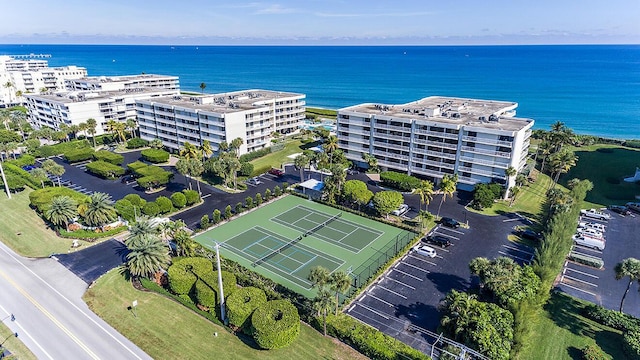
[(363, 273)]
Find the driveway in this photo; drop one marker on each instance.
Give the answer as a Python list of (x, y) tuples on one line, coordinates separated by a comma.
[(91, 263)]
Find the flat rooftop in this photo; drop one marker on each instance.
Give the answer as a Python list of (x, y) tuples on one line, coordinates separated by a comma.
[(491, 114), (122, 78), (89, 95), (224, 103)]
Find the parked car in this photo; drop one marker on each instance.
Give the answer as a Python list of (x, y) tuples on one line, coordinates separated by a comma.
[(352, 171), (634, 206), (595, 214), (276, 172), (592, 225), (449, 222), (425, 250), (590, 233), (254, 181), (530, 234), (620, 209), (439, 240), (401, 210), (28, 167), (589, 242)]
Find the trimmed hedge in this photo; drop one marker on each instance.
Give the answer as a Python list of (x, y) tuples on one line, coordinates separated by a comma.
[(246, 169), (135, 166), (611, 318), (241, 304), (76, 155), (181, 281), (105, 169), (370, 341), (255, 154), (632, 343), (135, 200), (151, 209), (61, 148), (155, 155), (23, 160), (136, 143), (191, 196), (205, 294), (41, 198), (125, 209), (164, 204), (25, 176), (150, 175), (108, 156), (276, 324), (91, 234), (586, 260), (399, 181), (179, 200)]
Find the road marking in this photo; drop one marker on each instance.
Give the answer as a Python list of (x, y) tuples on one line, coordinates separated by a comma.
[(23, 331), (49, 315), (204, 197), (509, 220), (377, 298), (583, 273), (409, 275), (416, 267), (447, 235), (584, 248), (72, 304), (576, 288), (452, 230), (518, 249), (513, 256), (415, 257), (391, 291), (400, 282), (374, 311), (580, 281)]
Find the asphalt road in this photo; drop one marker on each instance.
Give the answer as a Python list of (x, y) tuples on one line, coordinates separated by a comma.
[(92, 262), (51, 318)]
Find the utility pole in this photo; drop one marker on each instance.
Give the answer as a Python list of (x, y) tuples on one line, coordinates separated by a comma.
[(222, 309), (4, 180)]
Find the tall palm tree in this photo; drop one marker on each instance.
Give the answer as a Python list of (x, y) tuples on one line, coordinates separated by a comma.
[(340, 282), (11, 147), (457, 307), (141, 228), (514, 191), (131, 125), (561, 163), (206, 150), (63, 209), (39, 174), (629, 267), (196, 168), (233, 165), (319, 276), (301, 161), (54, 169), (425, 192), (186, 245), (235, 145), (330, 145), (100, 210), (371, 161), (182, 166), (447, 188), (92, 124), (203, 86), (189, 151), (147, 256), (323, 304)]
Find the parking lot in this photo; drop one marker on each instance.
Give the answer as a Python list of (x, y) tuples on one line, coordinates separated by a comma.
[(403, 302), (600, 285)]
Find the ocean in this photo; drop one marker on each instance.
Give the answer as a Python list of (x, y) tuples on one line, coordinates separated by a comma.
[(594, 89)]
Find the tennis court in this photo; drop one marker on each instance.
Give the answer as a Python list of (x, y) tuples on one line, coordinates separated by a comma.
[(283, 240)]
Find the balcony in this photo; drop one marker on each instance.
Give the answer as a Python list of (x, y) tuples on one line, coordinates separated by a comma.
[(356, 139), (437, 133), (390, 155), (394, 165), (392, 127), (481, 172), (487, 152), (428, 172), (433, 163), (354, 121), (436, 153), (484, 162), (436, 143), (487, 141), (358, 131), (468, 180), (390, 136), (351, 147)]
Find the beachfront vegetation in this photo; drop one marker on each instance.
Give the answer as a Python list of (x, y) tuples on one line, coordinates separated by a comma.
[(313, 113)]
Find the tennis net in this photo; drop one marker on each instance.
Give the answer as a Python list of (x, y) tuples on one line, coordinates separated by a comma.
[(276, 251), (321, 225)]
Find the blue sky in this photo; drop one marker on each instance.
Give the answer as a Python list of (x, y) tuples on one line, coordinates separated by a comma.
[(322, 22)]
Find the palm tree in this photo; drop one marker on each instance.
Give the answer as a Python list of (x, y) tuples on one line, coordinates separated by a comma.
[(456, 307), (233, 165), (100, 210), (514, 191), (147, 257), (340, 282), (319, 276), (301, 161), (206, 150), (371, 161), (425, 192), (11, 147), (323, 304), (509, 173), (447, 188), (63, 209), (561, 163), (141, 228), (186, 246), (235, 145), (203, 86), (183, 168), (628, 267), (91, 129), (39, 174), (156, 144), (131, 125), (189, 151), (330, 146), (54, 169), (196, 168)]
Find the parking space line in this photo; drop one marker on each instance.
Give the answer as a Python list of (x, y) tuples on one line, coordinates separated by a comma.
[(509, 220), (513, 256), (452, 230), (391, 291), (409, 275), (517, 249), (416, 267), (415, 257), (576, 288), (204, 197), (583, 273), (439, 257), (446, 235), (584, 248), (382, 301), (373, 310), (580, 281), (399, 282)]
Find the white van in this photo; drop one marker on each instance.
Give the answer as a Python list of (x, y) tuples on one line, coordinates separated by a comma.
[(591, 233), (589, 242)]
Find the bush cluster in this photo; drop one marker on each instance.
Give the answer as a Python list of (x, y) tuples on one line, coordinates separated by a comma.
[(611, 318), (17, 177), (593, 352), (586, 260), (23, 160), (75, 155), (61, 148), (149, 176), (108, 156), (41, 198), (485, 194), (275, 324), (399, 181), (191, 196), (136, 143), (242, 303), (179, 200), (155, 155), (105, 169), (195, 276), (255, 154), (91, 234)]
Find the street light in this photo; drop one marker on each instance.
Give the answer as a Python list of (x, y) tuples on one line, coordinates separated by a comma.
[(222, 310), (13, 318)]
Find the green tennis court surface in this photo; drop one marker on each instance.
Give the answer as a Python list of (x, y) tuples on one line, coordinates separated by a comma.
[(285, 239)]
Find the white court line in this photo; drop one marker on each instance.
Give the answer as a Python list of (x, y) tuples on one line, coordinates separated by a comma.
[(576, 288), (417, 258), (391, 291), (415, 267), (513, 256), (583, 273), (517, 249), (399, 282), (580, 281), (409, 275), (373, 311), (301, 266)]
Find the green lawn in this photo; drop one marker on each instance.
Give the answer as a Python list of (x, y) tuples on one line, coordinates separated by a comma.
[(13, 344), (606, 166), (25, 232), (326, 113), (276, 159), (560, 333), (165, 329)]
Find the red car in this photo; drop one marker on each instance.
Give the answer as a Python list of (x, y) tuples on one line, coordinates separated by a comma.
[(276, 172)]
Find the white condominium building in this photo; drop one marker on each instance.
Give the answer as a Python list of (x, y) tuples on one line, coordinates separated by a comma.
[(75, 107), (252, 115), (19, 77), (115, 83), (434, 136)]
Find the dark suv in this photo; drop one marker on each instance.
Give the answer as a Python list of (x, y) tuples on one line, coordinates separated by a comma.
[(530, 234), (449, 222), (620, 209), (439, 240)]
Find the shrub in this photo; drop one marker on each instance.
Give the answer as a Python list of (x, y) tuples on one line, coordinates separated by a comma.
[(182, 273), (611, 318), (105, 169), (108, 156), (593, 352), (7, 136), (155, 155), (135, 166), (267, 194), (125, 209), (75, 155), (204, 222), (277, 191), (399, 181), (41, 198), (20, 176), (205, 294), (586, 260), (23, 160), (136, 143), (151, 209), (216, 216), (632, 343), (191, 196), (261, 170), (61, 148), (179, 200), (246, 169), (239, 208), (276, 324), (227, 212), (151, 176), (255, 154), (258, 199), (135, 200), (485, 194), (370, 341), (249, 202), (242, 303), (164, 204), (91, 234)]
